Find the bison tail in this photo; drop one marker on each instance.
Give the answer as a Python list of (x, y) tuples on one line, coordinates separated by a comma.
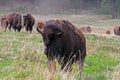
[(39, 30)]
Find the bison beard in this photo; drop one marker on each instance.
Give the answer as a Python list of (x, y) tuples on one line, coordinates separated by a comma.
[(64, 42)]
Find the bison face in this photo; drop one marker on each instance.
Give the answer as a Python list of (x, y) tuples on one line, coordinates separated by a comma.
[(25, 19), (51, 35), (52, 38)]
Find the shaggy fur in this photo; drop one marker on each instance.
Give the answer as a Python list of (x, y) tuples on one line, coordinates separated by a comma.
[(64, 42)]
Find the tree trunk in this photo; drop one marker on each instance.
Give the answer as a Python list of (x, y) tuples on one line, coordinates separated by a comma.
[(114, 9), (98, 3)]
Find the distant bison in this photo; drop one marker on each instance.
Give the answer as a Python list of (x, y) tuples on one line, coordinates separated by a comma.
[(108, 32), (40, 25), (86, 29), (29, 21), (64, 42), (117, 30), (3, 21), (13, 21)]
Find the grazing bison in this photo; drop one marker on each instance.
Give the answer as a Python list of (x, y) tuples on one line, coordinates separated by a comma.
[(86, 29), (108, 32), (29, 21), (64, 42), (13, 21), (117, 30)]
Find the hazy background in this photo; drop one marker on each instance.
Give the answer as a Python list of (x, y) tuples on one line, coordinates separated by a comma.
[(109, 7)]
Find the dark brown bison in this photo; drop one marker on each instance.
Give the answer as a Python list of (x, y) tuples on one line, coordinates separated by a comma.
[(64, 42), (86, 29), (29, 21), (108, 32), (13, 21), (117, 30)]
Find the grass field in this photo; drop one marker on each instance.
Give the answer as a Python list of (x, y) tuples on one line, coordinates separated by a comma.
[(22, 57)]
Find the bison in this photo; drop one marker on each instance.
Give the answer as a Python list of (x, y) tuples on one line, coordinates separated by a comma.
[(40, 25), (64, 42), (13, 21), (29, 21), (108, 32), (86, 29), (117, 30), (3, 21)]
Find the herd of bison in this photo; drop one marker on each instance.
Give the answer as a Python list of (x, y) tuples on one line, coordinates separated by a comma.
[(14, 21), (62, 40)]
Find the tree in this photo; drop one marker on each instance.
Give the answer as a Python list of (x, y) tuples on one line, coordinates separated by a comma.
[(114, 8)]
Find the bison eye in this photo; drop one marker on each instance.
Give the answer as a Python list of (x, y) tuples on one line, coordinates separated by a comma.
[(51, 37)]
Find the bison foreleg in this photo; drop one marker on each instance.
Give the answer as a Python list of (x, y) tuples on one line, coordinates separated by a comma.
[(81, 66), (6, 26), (31, 28), (10, 27), (81, 61), (52, 69), (52, 66), (27, 28)]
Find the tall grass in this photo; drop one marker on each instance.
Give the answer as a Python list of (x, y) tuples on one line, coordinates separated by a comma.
[(22, 58)]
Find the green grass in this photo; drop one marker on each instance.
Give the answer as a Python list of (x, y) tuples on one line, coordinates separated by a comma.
[(4, 63), (22, 58)]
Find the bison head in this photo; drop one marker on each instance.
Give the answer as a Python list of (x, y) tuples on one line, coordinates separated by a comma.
[(19, 27), (52, 34), (26, 19)]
